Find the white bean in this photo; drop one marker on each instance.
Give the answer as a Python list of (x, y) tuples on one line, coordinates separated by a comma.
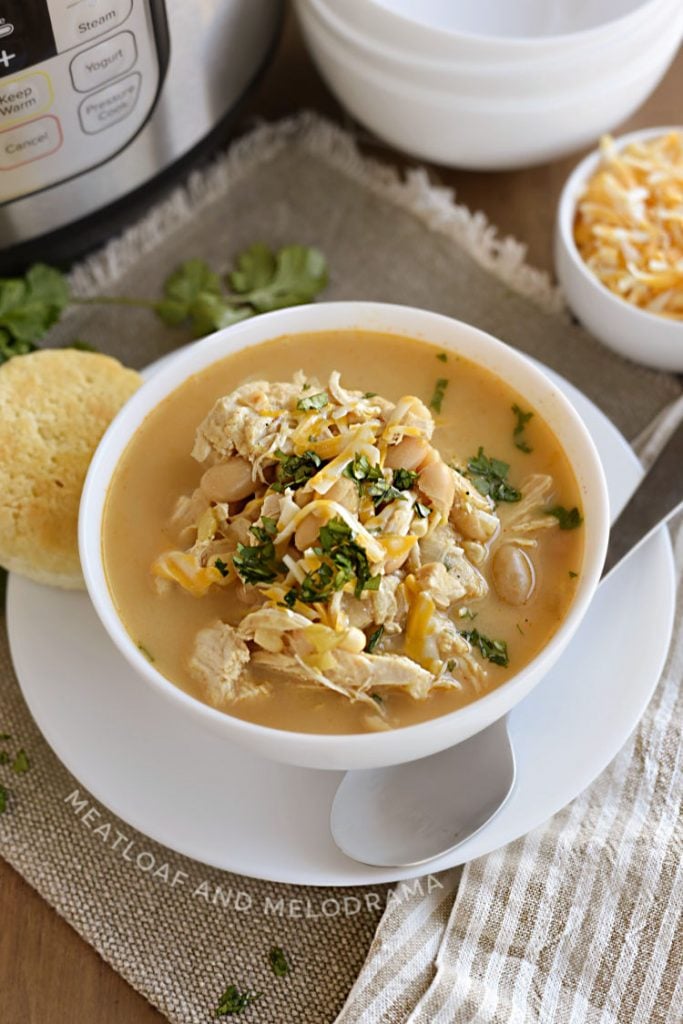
[(513, 574), (228, 481)]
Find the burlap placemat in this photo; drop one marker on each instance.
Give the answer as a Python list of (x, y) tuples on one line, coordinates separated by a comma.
[(402, 241)]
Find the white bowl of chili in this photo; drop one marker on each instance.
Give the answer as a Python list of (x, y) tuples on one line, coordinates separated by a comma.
[(444, 359)]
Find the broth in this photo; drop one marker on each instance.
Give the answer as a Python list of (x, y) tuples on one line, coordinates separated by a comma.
[(476, 412)]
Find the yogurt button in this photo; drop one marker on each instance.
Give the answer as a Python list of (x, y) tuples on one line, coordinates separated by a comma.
[(104, 61), (110, 105)]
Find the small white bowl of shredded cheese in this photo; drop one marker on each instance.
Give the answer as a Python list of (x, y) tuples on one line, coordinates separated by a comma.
[(619, 245)]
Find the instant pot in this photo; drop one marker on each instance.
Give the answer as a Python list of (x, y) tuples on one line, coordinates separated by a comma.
[(101, 101)]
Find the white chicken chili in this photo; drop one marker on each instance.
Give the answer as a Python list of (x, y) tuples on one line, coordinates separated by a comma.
[(379, 537)]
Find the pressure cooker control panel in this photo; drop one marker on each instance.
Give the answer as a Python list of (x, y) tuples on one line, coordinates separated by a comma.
[(78, 79)]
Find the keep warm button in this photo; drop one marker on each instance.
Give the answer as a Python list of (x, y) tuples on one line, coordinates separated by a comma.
[(110, 105)]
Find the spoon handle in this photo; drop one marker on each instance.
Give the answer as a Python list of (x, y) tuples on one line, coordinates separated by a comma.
[(656, 500)]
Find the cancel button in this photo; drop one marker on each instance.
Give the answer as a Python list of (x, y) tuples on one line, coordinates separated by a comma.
[(110, 105)]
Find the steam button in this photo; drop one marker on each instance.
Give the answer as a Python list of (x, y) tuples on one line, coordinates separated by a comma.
[(104, 61), (108, 106), (81, 22)]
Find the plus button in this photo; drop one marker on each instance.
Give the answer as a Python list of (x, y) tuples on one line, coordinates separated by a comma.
[(6, 57)]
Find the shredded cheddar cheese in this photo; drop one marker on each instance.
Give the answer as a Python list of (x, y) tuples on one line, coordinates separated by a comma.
[(629, 223)]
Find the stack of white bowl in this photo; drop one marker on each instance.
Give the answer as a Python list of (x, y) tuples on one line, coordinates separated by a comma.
[(491, 84)]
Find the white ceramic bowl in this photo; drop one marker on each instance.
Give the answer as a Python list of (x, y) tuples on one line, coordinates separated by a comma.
[(523, 71), (383, 748), (635, 333), (496, 29), (491, 115)]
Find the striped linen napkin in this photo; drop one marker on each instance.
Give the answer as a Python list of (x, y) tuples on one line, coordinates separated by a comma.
[(578, 922)]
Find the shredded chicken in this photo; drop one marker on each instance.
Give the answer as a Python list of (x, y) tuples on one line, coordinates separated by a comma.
[(218, 662)]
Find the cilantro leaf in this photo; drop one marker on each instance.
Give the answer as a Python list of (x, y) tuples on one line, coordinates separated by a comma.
[(297, 274), (442, 357), (437, 398), (403, 479), (29, 306), (186, 292), (374, 639), (278, 962), (495, 651), (234, 1002), (3, 799), (255, 269), (21, 763), (294, 470), (517, 434), (489, 476), (318, 401), (258, 563), (568, 518)]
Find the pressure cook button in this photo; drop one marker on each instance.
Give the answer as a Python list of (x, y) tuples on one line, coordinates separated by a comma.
[(24, 97), (110, 105), (103, 61), (79, 22), (30, 141)]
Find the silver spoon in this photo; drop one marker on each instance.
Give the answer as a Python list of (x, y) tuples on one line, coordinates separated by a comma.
[(411, 813)]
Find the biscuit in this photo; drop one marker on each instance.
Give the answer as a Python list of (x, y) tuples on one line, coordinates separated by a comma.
[(55, 405)]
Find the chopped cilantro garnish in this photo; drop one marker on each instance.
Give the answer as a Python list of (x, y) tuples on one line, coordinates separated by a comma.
[(369, 394), (572, 574), (278, 961), (317, 401), (451, 664), (4, 757), (258, 563), (290, 598), (4, 736), (442, 357), (568, 518), (436, 400), (21, 763), (378, 699), (421, 510), (233, 1002), (146, 652), (294, 470), (495, 651), (343, 560), (489, 476), (374, 639), (3, 799), (403, 479), (522, 420), (371, 481), (222, 567)]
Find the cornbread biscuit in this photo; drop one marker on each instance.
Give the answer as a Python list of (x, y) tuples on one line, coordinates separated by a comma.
[(54, 407)]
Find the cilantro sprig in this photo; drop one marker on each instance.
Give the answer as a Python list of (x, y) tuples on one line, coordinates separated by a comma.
[(437, 398), (489, 476), (371, 481), (194, 295)]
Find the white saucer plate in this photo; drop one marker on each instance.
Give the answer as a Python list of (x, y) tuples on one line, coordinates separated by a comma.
[(184, 787)]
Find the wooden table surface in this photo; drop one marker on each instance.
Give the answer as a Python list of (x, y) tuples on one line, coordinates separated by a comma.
[(47, 973)]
